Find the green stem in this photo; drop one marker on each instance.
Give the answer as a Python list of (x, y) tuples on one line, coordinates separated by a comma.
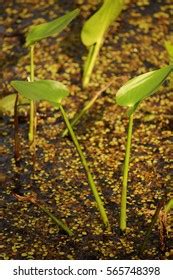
[(90, 62), (32, 122), (16, 130), (86, 108), (32, 63), (85, 165), (57, 221), (125, 176), (169, 206), (76, 119)]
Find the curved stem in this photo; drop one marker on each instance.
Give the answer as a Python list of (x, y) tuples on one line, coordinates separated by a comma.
[(125, 176), (87, 170)]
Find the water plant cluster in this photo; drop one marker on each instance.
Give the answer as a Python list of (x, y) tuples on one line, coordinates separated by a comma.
[(130, 96)]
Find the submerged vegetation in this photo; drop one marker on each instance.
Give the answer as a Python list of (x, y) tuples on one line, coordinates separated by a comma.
[(55, 177)]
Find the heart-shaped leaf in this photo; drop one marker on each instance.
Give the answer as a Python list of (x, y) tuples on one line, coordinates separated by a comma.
[(51, 28), (140, 87), (47, 90), (95, 27)]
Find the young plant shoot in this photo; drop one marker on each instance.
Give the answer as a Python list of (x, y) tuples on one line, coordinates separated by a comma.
[(86, 108), (131, 95), (34, 199), (36, 34), (54, 92), (94, 30)]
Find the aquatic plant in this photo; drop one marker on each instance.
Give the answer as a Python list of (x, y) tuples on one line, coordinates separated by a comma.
[(131, 95), (94, 31), (32, 198), (165, 219), (36, 34), (54, 92), (153, 222), (160, 214), (86, 108), (10, 105)]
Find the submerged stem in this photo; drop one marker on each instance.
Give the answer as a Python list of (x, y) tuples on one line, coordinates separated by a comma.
[(56, 220), (85, 165), (125, 176), (32, 198)]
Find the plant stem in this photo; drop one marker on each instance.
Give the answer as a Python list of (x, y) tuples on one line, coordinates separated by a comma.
[(169, 206), (76, 118), (57, 221), (86, 108), (125, 176), (32, 122), (90, 62), (32, 198), (85, 165), (153, 221), (16, 130)]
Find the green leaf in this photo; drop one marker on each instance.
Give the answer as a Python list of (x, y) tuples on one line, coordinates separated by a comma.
[(169, 48), (51, 28), (47, 90), (7, 104), (141, 87), (96, 26), (93, 32), (169, 206)]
